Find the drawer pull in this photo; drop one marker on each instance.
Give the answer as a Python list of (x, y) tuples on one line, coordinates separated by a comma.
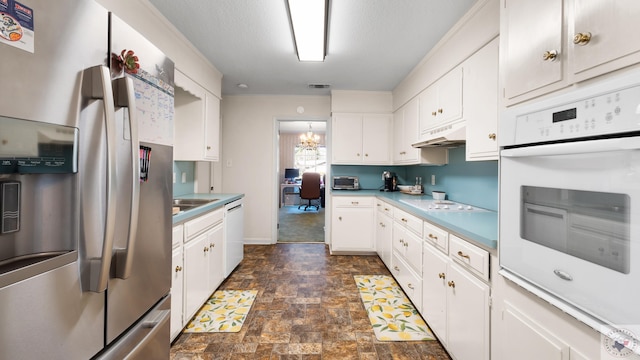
[(396, 268), (431, 236), (441, 275), (404, 220), (340, 218), (452, 284), (410, 286), (461, 254), (178, 268), (355, 203)]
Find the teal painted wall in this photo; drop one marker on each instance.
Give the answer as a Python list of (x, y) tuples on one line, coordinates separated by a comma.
[(469, 182), (188, 167)]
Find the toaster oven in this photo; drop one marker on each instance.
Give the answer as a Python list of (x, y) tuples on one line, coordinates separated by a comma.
[(345, 183)]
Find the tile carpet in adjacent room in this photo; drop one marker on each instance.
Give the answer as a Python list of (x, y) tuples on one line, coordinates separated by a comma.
[(308, 307)]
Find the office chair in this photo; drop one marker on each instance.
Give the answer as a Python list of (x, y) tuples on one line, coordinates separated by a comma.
[(310, 189)]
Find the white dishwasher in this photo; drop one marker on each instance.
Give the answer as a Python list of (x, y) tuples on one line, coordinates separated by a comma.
[(233, 235)]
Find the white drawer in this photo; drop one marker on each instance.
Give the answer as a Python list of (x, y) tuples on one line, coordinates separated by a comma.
[(437, 237), (176, 237), (409, 281), (195, 226), (352, 201), (411, 222), (409, 246), (383, 207), (469, 256)]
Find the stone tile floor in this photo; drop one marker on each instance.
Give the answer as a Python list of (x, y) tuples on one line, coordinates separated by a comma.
[(308, 307)]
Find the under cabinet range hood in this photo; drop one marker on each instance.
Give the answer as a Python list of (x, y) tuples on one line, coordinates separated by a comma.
[(450, 135)]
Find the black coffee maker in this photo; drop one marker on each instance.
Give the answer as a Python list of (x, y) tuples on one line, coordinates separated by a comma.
[(390, 181)]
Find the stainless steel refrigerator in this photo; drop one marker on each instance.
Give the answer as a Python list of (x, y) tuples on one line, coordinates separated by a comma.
[(86, 133)]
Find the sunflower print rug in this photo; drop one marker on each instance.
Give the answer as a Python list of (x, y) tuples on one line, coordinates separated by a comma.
[(392, 315), (225, 311)]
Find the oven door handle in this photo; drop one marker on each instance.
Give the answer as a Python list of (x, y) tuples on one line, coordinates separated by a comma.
[(579, 147)]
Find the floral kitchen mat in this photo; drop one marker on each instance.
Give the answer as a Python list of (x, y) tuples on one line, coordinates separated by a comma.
[(392, 315), (225, 311)]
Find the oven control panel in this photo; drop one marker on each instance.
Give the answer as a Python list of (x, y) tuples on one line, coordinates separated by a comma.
[(603, 108)]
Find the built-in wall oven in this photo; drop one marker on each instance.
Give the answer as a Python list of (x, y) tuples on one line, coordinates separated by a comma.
[(570, 201)]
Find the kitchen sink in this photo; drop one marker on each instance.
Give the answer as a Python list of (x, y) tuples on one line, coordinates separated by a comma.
[(188, 204), (192, 202)]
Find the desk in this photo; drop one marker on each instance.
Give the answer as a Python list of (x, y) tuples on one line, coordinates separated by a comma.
[(283, 186)]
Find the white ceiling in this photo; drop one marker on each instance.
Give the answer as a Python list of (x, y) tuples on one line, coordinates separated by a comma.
[(372, 44)]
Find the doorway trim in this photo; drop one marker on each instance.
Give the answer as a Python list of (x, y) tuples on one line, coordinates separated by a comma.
[(276, 170)]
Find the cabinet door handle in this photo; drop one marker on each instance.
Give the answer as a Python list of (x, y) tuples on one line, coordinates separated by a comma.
[(440, 111), (434, 113), (208, 147), (206, 248), (396, 268), (340, 218), (410, 286), (365, 155), (461, 254), (582, 38), (212, 245), (178, 268), (550, 55), (441, 275), (358, 154), (452, 284), (492, 136)]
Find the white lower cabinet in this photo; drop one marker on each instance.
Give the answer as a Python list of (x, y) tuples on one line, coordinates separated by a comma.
[(384, 231), (409, 280), (177, 282), (455, 304), (196, 282), (197, 266), (528, 339), (352, 224)]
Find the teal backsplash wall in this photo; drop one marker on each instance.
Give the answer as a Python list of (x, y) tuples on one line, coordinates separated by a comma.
[(189, 168), (469, 182)]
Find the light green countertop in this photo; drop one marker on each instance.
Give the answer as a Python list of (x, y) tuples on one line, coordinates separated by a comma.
[(222, 199), (480, 228)]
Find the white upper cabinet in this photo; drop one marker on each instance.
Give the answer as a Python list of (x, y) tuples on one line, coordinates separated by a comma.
[(361, 139), (536, 60), (197, 121), (532, 47), (405, 133), (481, 103), (441, 102)]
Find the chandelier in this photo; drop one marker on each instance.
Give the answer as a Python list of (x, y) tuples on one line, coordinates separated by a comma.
[(309, 140)]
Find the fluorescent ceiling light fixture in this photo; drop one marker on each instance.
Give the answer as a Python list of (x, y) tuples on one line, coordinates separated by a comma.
[(309, 23)]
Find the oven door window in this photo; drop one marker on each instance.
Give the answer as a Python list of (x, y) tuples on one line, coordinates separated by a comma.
[(593, 226)]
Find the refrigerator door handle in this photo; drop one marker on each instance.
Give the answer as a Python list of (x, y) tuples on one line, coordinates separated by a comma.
[(125, 97), (97, 85)]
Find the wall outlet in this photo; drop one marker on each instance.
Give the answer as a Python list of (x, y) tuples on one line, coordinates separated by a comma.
[(184, 177), (433, 180), (174, 177)]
